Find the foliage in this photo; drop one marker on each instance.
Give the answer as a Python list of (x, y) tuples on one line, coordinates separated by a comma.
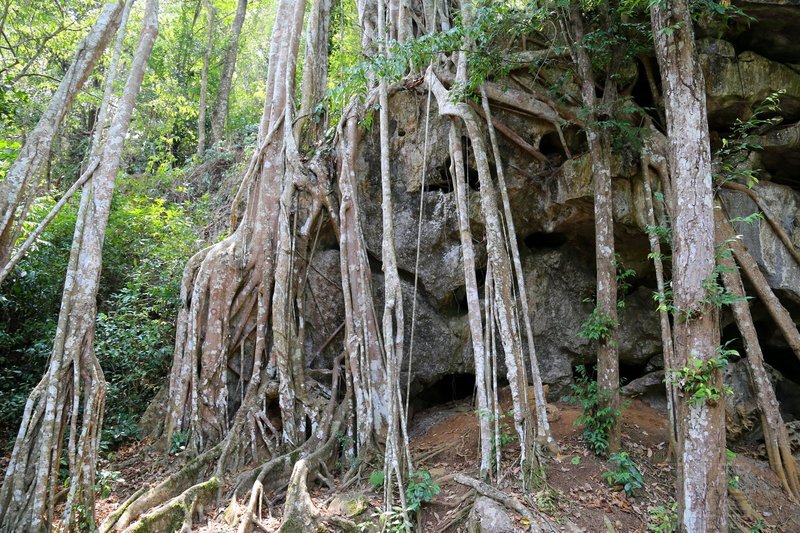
[(598, 416), (105, 482), (376, 479), (147, 243), (178, 442), (625, 474), (395, 520), (729, 159), (420, 489), (598, 326), (697, 377), (662, 519)]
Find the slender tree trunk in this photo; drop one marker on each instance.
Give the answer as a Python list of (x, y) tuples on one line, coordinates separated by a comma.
[(776, 438), (203, 104), (663, 313), (73, 387), (702, 480), (775, 308), (16, 186), (482, 366), (606, 306), (504, 297), (220, 114)]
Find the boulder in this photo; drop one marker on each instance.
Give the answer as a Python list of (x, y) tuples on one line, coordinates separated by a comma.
[(488, 516)]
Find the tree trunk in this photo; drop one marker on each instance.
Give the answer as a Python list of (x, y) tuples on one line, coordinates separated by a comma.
[(220, 113), (203, 104), (606, 305), (482, 375), (73, 386), (702, 480), (776, 438), (16, 186), (315, 72)]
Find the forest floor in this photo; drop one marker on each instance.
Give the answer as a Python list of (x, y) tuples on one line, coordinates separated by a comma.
[(444, 440)]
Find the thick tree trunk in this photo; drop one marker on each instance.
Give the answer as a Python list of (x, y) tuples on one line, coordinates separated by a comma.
[(702, 480), (20, 177), (74, 386), (220, 113)]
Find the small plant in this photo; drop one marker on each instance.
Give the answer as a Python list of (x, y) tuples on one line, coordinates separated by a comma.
[(376, 479), (420, 489), (598, 326), (663, 519), (104, 485), (625, 474), (597, 417), (396, 520), (695, 379), (547, 501), (179, 441)]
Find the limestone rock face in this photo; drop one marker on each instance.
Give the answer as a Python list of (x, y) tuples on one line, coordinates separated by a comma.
[(559, 281), (735, 83), (783, 203), (552, 207)]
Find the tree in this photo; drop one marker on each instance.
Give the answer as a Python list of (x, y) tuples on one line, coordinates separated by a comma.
[(220, 113), (19, 182), (69, 399), (702, 482), (605, 313)]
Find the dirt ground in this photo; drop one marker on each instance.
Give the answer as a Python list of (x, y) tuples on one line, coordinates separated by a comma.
[(445, 441)]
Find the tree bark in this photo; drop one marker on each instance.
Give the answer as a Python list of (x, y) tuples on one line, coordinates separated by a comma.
[(315, 72), (220, 113), (702, 480)]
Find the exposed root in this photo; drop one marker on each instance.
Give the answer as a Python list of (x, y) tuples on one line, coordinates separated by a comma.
[(537, 522), (176, 513)]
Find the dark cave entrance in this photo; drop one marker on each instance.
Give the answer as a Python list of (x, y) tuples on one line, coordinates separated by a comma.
[(448, 389)]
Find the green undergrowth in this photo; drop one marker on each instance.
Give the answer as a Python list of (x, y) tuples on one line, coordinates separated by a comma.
[(148, 242)]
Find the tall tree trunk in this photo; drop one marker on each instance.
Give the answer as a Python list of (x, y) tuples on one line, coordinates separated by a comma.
[(73, 386), (315, 71), (504, 297), (19, 179), (203, 104), (220, 113), (600, 153), (393, 320), (482, 374), (702, 480)]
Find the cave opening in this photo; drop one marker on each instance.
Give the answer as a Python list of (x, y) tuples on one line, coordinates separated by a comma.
[(447, 389), (540, 240)]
